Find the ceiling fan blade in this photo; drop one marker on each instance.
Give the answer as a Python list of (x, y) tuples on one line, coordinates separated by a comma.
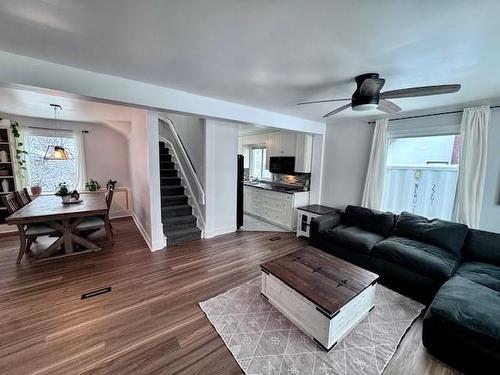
[(323, 101), (388, 106), (420, 91), (339, 109), (371, 86)]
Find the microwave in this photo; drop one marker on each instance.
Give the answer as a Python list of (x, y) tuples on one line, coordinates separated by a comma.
[(282, 164)]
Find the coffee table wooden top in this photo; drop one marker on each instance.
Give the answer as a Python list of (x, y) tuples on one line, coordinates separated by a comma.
[(325, 280)]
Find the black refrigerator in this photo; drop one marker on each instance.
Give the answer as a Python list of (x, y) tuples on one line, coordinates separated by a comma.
[(239, 192)]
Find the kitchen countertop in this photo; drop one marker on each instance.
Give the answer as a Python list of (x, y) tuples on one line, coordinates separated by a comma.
[(319, 209), (273, 187)]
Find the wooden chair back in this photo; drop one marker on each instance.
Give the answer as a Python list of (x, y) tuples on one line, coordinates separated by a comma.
[(109, 197), (11, 202), (23, 196)]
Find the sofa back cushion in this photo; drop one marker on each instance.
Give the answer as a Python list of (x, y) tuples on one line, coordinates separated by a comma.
[(481, 246), (371, 220), (445, 234)]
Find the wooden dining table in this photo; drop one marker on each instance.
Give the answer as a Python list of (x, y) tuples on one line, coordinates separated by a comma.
[(63, 218)]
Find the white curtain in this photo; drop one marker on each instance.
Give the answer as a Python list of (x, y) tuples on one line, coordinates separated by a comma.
[(374, 183), (472, 170), (81, 168)]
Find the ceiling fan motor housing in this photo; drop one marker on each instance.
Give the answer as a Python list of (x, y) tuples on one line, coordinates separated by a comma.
[(364, 102)]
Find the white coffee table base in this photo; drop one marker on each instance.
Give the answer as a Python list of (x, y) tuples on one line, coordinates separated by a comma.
[(311, 319)]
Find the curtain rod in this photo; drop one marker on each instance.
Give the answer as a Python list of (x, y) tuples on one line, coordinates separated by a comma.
[(52, 129), (429, 115)]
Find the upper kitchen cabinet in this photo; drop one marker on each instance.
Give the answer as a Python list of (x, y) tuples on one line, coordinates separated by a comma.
[(283, 143), (303, 154)]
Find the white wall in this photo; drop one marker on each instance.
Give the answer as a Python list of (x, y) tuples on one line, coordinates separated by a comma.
[(347, 150), (191, 131), (221, 149), (138, 161), (106, 150), (145, 181), (22, 70)]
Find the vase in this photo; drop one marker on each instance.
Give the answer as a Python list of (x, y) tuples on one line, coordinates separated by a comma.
[(66, 198), (5, 186), (36, 190), (4, 157)]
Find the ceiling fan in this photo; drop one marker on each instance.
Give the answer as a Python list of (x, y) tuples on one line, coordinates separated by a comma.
[(368, 96)]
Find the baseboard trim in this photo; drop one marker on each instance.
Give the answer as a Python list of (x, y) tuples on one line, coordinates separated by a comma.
[(143, 232), (220, 231), (117, 215)]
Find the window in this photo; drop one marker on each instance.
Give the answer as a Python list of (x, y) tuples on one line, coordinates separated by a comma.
[(258, 163), (421, 175), (48, 173)]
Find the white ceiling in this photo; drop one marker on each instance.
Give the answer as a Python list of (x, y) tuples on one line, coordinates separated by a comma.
[(269, 54), (37, 104)]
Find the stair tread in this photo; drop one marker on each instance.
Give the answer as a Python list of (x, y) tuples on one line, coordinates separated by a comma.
[(177, 206), (183, 230), (183, 218)]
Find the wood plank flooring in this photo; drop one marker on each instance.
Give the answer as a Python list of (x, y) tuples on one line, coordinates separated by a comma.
[(151, 321)]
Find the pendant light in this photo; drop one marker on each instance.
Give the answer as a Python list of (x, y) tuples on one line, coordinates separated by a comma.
[(55, 152)]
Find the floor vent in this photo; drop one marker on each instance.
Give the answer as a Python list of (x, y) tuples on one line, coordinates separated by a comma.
[(96, 292), (275, 238)]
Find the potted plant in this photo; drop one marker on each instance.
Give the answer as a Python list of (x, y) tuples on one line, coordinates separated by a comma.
[(36, 189), (92, 185), (36, 185), (63, 191)]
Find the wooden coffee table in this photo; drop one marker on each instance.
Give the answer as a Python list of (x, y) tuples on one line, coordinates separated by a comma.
[(321, 294)]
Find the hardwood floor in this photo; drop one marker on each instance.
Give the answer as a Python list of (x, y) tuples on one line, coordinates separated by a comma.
[(151, 321)]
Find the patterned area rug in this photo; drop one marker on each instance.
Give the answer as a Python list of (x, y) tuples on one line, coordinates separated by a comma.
[(264, 342)]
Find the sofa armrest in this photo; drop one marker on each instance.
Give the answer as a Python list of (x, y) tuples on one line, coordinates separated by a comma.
[(324, 222)]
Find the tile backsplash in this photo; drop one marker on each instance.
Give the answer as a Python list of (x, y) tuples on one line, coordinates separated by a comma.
[(298, 179)]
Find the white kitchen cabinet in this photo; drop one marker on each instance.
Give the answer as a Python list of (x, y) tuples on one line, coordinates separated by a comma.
[(282, 143), (273, 206), (303, 153)]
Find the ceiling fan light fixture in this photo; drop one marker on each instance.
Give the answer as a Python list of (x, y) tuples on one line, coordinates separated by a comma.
[(365, 107)]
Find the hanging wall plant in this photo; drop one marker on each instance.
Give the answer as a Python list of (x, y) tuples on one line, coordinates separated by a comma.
[(20, 152)]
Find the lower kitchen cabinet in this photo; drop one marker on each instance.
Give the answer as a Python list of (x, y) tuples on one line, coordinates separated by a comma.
[(275, 207)]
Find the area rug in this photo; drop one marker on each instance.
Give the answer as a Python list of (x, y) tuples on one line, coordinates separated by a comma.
[(264, 342)]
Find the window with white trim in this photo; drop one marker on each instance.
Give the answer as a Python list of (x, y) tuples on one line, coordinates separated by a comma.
[(49, 173), (258, 163), (421, 175)]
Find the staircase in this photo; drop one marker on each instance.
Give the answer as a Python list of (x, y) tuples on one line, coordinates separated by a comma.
[(179, 225)]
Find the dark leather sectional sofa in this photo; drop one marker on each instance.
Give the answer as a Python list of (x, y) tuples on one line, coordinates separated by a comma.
[(454, 269)]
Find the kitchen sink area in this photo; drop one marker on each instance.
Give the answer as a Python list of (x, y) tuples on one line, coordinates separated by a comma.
[(276, 168)]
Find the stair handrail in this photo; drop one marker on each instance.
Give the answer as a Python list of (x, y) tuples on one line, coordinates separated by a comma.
[(200, 193)]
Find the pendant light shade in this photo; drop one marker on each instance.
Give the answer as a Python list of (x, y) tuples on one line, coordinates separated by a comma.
[(56, 152)]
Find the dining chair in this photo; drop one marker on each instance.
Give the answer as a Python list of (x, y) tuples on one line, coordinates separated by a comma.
[(93, 223), (23, 196), (27, 233)]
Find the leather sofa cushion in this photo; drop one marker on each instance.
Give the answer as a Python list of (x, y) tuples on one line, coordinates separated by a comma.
[(445, 234), (370, 220), (481, 273), (482, 246), (453, 302), (353, 238), (418, 256)]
